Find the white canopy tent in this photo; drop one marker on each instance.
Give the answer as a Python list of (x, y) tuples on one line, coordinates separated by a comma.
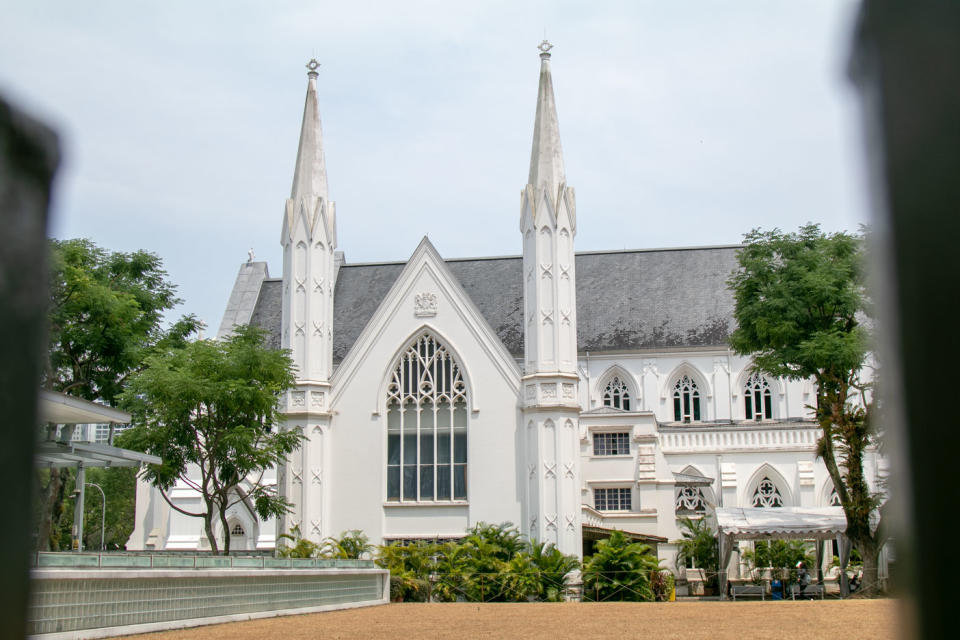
[(803, 523)]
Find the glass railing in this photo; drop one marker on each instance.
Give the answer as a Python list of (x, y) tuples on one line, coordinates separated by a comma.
[(135, 560)]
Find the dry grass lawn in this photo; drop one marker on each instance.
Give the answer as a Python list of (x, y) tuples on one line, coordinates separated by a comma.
[(842, 620)]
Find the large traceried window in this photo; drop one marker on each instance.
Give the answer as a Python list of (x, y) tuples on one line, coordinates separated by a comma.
[(616, 394), (686, 400), (757, 401), (767, 494), (426, 426)]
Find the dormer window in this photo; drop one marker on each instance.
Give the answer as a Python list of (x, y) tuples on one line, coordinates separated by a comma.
[(616, 394), (757, 401), (686, 400)]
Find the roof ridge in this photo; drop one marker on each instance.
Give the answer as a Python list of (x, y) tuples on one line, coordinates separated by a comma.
[(578, 253)]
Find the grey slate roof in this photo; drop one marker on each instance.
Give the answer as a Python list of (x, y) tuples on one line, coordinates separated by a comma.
[(626, 300)]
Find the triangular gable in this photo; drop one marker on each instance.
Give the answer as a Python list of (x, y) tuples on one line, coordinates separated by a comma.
[(426, 260)]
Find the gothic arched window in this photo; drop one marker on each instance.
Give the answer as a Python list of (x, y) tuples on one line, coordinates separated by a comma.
[(835, 499), (757, 401), (690, 500), (616, 394), (426, 426), (686, 400), (767, 494)]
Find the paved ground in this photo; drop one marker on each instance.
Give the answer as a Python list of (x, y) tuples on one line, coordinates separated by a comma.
[(835, 619)]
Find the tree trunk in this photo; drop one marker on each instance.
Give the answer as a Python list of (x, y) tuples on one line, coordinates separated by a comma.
[(870, 582), (223, 526), (51, 507), (208, 529)]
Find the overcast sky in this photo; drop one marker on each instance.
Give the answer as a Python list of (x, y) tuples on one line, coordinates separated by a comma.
[(683, 123)]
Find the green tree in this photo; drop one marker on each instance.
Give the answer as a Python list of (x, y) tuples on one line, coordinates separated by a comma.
[(800, 308), (619, 570), (213, 404), (106, 315)]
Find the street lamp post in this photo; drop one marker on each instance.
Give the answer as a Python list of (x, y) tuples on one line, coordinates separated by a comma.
[(103, 513)]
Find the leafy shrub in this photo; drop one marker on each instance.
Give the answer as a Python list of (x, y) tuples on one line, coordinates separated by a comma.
[(619, 570)]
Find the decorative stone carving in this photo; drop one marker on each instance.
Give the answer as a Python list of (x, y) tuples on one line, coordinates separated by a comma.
[(569, 470), (315, 527), (551, 519), (317, 474), (533, 470), (316, 399), (568, 391), (690, 500), (728, 475), (550, 469), (549, 391), (767, 495), (646, 463), (296, 475), (425, 304), (571, 522), (531, 392), (298, 398)]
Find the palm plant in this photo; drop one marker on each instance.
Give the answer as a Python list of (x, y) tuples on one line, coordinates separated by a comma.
[(619, 570), (699, 548), (553, 568), (349, 544), (301, 548), (410, 567), (780, 556)]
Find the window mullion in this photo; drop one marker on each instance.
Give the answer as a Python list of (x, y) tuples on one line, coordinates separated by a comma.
[(403, 432), (419, 411)]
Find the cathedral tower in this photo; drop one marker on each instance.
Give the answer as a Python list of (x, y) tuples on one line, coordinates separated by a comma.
[(551, 412), (309, 237)]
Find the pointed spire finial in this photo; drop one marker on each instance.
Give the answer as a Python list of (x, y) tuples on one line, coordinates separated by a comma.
[(310, 173), (546, 158)]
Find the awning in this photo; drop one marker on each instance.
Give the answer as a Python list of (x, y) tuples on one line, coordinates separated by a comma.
[(63, 409), (805, 523), (591, 532), (70, 454)]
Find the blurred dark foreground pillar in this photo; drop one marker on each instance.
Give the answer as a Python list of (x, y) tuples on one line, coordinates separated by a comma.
[(906, 65), (28, 159)]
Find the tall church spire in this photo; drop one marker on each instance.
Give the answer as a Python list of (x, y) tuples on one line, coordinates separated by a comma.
[(551, 410), (310, 174), (546, 157)]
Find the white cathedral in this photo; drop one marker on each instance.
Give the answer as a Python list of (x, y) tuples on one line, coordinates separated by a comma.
[(568, 393)]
